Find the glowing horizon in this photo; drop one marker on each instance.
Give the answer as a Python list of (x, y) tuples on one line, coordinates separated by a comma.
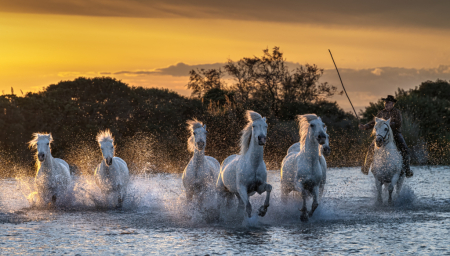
[(42, 49)]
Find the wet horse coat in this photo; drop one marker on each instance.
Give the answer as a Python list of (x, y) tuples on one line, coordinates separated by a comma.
[(387, 160), (303, 171), (245, 174), (201, 173)]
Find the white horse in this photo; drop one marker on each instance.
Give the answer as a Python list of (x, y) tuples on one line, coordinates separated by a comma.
[(244, 174), (201, 173), (387, 160), (324, 151), (303, 171), (53, 176), (111, 175)]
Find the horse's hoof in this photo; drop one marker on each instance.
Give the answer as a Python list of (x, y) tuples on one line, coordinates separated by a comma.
[(262, 211), (409, 174), (304, 217)]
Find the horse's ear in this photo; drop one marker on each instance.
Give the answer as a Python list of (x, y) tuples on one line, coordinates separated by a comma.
[(264, 118), (377, 119), (204, 126), (388, 121)]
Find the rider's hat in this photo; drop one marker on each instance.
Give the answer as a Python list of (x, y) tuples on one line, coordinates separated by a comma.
[(389, 98)]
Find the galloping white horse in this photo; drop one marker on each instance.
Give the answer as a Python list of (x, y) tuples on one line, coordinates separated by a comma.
[(111, 175), (387, 160), (244, 174), (201, 173), (324, 151), (303, 171), (53, 175)]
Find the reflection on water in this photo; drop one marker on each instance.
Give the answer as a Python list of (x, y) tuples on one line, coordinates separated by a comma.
[(156, 219)]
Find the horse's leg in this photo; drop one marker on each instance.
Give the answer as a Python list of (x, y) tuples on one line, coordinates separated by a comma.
[(120, 200), (378, 184), (240, 204), (242, 190), (249, 208), (321, 189), (391, 186), (304, 210), (315, 203), (399, 184), (261, 189)]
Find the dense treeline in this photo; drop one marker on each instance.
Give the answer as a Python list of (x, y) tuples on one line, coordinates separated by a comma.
[(149, 124)]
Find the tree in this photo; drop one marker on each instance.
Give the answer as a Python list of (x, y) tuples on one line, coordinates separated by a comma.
[(266, 79), (200, 81)]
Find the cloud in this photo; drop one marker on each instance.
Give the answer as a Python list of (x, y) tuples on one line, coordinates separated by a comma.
[(180, 69), (362, 85), (382, 13), (377, 71), (369, 85)]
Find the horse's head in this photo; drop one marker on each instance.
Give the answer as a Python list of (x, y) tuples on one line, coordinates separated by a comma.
[(256, 129), (198, 135), (42, 144), (312, 125), (106, 143), (326, 150), (382, 131), (259, 130)]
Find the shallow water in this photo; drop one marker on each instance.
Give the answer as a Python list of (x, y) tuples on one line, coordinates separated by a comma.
[(156, 220)]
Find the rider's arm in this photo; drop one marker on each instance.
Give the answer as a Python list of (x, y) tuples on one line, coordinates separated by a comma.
[(371, 124)]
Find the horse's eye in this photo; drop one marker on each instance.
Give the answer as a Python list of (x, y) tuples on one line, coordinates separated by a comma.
[(385, 129), (312, 125), (48, 144), (195, 133)]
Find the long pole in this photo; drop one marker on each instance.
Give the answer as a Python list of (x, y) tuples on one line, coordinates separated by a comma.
[(343, 84)]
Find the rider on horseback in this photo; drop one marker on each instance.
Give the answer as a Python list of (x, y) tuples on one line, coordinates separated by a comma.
[(396, 124)]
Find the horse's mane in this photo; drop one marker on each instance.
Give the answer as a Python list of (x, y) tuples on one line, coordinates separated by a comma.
[(192, 125), (247, 131), (104, 136), (303, 123), (38, 136)]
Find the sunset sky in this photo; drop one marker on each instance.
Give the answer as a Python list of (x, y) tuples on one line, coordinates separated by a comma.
[(378, 45)]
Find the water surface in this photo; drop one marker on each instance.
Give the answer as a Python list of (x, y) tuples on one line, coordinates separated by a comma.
[(156, 220)]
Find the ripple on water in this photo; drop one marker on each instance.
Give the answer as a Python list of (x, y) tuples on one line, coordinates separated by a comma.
[(156, 218)]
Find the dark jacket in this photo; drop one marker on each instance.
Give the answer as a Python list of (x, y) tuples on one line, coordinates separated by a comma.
[(396, 119)]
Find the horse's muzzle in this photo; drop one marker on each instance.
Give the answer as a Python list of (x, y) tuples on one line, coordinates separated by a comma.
[(322, 138), (41, 157), (326, 150), (108, 161), (261, 140), (201, 145), (379, 142)]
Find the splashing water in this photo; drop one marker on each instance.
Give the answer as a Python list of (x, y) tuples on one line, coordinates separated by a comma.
[(156, 218)]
